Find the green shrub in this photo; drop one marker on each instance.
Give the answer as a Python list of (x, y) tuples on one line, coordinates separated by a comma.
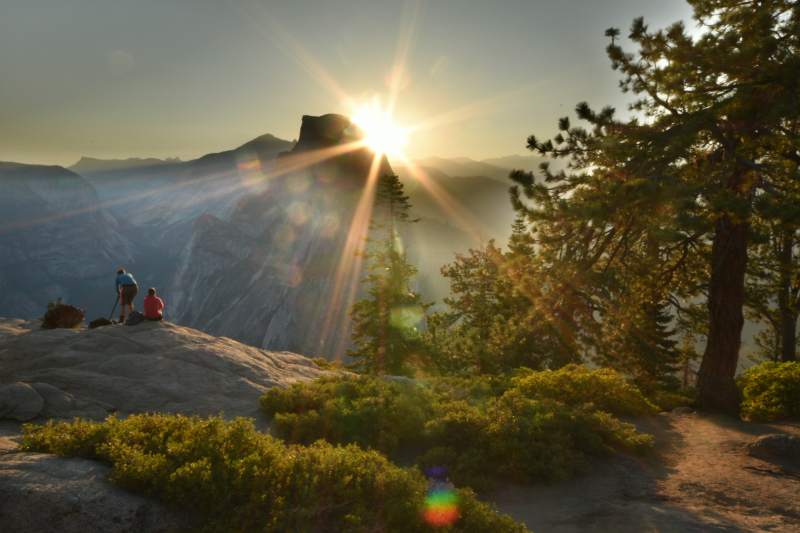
[(476, 429), (576, 385), (233, 478), (350, 410), (522, 440), (772, 391)]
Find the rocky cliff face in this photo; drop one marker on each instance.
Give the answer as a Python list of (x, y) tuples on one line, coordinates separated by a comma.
[(56, 241), (164, 200), (267, 275)]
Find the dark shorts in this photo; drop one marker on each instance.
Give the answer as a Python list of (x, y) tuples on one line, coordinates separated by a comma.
[(128, 293)]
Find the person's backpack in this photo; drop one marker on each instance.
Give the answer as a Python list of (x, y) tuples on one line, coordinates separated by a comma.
[(100, 322), (134, 318)]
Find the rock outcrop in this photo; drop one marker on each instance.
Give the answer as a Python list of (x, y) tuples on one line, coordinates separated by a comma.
[(49, 494), (775, 446), (151, 367), (20, 401)]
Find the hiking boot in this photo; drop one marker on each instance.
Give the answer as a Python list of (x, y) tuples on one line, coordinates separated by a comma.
[(121, 320)]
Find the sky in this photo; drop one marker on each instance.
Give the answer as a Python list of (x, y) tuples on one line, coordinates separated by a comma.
[(182, 78)]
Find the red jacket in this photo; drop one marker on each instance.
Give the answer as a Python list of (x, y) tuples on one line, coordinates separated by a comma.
[(153, 306)]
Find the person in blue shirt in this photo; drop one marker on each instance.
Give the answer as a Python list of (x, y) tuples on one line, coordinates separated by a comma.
[(127, 289)]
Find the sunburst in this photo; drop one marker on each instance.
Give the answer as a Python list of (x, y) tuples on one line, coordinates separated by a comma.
[(382, 135)]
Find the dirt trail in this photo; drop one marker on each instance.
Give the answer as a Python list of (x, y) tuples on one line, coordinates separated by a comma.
[(695, 482)]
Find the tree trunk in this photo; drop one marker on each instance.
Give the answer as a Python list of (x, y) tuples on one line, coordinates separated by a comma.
[(786, 300), (716, 388), (788, 336)]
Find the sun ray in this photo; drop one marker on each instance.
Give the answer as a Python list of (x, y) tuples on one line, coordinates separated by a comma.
[(261, 19), (405, 41), (492, 104), (345, 281), (468, 221)]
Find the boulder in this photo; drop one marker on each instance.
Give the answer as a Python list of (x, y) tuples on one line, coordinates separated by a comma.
[(20, 401), (60, 404), (774, 446), (683, 410), (51, 494)]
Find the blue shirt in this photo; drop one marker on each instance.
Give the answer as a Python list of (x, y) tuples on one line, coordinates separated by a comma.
[(125, 279)]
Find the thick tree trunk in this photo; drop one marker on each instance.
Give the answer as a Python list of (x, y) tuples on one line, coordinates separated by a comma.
[(716, 388), (786, 298), (788, 337)]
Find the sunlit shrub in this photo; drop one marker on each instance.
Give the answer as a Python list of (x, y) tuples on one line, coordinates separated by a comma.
[(576, 385), (232, 478), (772, 391), (350, 410), (475, 429), (522, 440)]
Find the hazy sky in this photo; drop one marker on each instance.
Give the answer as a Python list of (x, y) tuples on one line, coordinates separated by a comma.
[(166, 78)]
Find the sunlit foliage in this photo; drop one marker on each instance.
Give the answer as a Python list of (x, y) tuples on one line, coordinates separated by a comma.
[(232, 478), (477, 430), (772, 391)]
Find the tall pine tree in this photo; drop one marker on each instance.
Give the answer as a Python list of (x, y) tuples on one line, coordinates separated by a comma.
[(645, 197), (385, 331)]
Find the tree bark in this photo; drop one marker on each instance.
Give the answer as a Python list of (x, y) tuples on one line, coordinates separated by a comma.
[(786, 299), (716, 388), (788, 337)]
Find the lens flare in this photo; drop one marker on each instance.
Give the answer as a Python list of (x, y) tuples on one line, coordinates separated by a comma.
[(299, 213), (299, 183), (330, 225), (285, 236), (382, 135), (406, 317), (441, 505), (292, 276)]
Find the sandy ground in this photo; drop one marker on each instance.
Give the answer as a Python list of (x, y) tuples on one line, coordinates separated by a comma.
[(698, 480)]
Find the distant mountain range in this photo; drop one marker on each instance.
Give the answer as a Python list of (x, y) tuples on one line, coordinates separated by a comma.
[(89, 165), (496, 168), (245, 243)]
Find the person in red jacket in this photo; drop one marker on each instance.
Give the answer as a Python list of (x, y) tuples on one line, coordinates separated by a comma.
[(153, 306)]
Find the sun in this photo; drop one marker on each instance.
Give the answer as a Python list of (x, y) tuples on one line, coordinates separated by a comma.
[(381, 134)]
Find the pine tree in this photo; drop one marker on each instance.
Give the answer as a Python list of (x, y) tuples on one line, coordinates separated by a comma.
[(385, 331), (646, 197)]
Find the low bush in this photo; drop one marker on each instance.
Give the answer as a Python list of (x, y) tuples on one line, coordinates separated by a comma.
[(522, 440), (576, 385), (475, 429), (771, 391), (351, 410), (233, 478)]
